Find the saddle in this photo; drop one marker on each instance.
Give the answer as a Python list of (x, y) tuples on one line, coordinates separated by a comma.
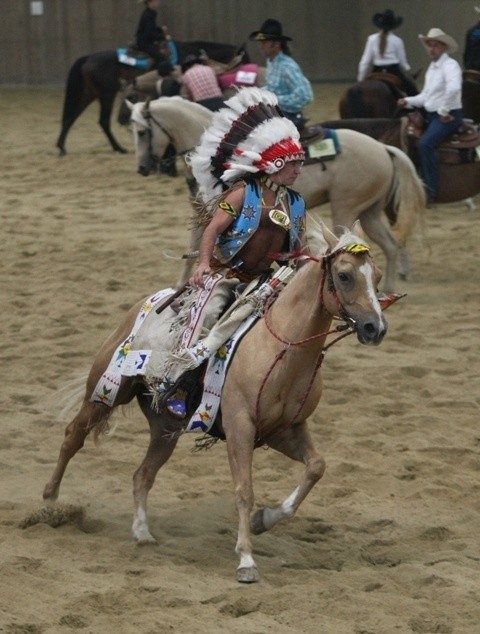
[(388, 78), (459, 147), (135, 58), (471, 75), (320, 144)]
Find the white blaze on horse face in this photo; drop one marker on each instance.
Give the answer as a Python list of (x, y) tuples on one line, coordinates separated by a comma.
[(367, 271)]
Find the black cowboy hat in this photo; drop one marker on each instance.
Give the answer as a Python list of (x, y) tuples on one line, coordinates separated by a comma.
[(190, 60), (387, 21), (270, 30)]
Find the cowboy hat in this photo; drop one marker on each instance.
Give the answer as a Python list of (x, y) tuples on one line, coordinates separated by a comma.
[(439, 36), (270, 30), (477, 9), (387, 21)]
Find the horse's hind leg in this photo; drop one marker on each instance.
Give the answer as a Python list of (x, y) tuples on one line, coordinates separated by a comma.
[(163, 440), (377, 231), (70, 120), (296, 443), (91, 415)]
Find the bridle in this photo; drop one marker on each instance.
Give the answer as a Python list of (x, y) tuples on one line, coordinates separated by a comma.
[(347, 328), (151, 121)]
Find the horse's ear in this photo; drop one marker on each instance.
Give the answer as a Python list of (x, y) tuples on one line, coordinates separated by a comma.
[(146, 106), (357, 229), (129, 104), (330, 238)]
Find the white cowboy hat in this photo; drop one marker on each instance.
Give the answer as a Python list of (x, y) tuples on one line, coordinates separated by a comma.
[(439, 36), (477, 9)]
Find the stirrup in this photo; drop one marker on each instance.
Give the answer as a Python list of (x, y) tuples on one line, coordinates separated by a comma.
[(176, 404)]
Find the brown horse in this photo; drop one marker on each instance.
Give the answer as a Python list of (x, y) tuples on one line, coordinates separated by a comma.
[(359, 183), (372, 98), (456, 181), (99, 76), (268, 405)]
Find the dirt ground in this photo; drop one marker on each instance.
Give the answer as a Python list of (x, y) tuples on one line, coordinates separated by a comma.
[(387, 541)]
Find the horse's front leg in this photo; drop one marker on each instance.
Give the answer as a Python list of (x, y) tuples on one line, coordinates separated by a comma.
[(240, 435), (296, 443), (163, 440)]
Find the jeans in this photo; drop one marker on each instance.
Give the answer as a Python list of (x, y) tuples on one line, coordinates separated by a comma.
[(436, 133)]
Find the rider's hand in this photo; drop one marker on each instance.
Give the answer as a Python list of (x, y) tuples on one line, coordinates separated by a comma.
[(447, 118), (401, 102), (198, 275)]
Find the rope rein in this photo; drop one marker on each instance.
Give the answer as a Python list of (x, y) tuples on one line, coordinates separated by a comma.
[(348, 330), (149, 118)]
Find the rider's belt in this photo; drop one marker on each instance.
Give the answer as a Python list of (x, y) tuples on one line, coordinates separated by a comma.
[(229, 272)]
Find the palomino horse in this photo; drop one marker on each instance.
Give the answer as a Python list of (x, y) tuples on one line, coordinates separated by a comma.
[(99, 76), (359, 183), (269, 405), (456, 181), (371, 99)]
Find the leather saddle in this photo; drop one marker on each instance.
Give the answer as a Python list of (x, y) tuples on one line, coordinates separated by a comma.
[(459, 147), (319, 143)]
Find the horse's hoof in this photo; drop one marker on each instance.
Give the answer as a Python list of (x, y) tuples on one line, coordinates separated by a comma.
[(403, 277), (257, 525), (142, 535), (62, 151), (248, 575), (121, 150), (146, 540)]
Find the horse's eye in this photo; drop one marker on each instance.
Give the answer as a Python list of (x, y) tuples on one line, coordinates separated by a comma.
[(141, 133), (344, 277)]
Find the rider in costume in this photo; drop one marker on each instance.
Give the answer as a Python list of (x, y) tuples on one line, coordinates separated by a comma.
[(245, 165)]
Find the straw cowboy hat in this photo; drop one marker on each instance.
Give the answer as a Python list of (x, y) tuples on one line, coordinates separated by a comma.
[(387, 21), (270, 30), (439, 36)]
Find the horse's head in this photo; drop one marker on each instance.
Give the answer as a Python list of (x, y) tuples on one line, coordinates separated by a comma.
[(150, 136), (350, 284)]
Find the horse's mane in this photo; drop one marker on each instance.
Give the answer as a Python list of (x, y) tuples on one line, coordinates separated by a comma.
[(179, 102)]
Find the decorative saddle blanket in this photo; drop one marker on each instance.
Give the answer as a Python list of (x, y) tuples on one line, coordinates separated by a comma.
[(131, 58), (244, 75)]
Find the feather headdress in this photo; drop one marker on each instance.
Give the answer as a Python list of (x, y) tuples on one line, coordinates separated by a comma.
[(249, 135)]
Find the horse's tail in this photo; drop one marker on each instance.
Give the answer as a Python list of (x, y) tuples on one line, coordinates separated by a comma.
[(408, 200), (74, 88)]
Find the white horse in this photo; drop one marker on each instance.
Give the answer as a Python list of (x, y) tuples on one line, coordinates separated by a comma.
[(268, 405), (365, 179)]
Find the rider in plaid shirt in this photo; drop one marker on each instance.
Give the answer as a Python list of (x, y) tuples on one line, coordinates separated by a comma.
[(200, 83), (284, 76)]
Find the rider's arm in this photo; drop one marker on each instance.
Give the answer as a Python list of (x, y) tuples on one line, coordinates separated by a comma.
[(221, 220)]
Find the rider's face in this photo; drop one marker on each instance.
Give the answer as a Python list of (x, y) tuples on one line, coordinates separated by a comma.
[(288, 174), (435, 49)]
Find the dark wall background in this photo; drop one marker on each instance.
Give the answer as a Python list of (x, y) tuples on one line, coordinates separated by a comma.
[(329, 35)]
